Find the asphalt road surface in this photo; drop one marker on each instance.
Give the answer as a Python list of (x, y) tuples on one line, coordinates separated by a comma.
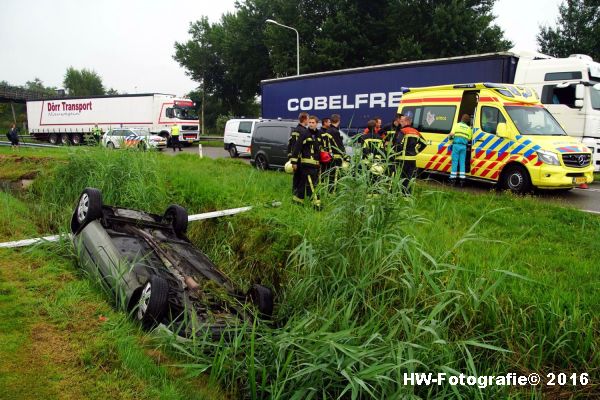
[(584, 199)]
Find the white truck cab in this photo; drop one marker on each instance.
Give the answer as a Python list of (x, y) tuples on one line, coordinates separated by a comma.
[(570, 89)]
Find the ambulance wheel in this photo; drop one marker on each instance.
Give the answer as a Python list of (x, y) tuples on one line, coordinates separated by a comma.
[(516, 179)]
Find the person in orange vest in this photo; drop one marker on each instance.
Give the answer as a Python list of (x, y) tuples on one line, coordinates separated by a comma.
[(409, 144)]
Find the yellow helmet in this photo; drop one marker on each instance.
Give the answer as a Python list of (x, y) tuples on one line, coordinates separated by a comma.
[(288, 168), (377, 169), (345, 165)]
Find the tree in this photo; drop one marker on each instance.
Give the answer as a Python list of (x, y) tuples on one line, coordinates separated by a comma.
[(231, 57), (38, 86), (577, 30), (83, 83)]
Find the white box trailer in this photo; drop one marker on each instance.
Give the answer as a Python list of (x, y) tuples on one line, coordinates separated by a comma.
[(67, 119)]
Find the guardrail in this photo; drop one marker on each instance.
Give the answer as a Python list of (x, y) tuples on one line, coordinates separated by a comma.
[(3, 143), (210, 138)]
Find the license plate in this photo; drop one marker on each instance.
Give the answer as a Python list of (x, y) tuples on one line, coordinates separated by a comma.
[(579, 180)]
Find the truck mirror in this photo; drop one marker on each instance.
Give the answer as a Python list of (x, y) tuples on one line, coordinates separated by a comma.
[(579, 91), (579, 103), (502, 130)]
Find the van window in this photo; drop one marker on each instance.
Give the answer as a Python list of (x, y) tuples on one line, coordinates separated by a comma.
[(245, 127), (553, 95), (273, 133), (562, 76), (490, 118), (432, 119)]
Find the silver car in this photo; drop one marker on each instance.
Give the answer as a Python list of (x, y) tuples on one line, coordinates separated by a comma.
[(153, 271)]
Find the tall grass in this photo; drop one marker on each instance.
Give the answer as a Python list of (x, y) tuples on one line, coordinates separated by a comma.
[(128, 178), (363, 303)]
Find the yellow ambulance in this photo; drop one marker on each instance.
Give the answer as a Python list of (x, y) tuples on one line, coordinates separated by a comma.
[(516, 142)]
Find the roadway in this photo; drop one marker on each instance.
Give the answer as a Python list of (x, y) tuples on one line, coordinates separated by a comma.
[(584, 199)]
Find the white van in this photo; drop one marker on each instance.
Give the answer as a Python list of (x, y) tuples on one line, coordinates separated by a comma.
[(238, 135)]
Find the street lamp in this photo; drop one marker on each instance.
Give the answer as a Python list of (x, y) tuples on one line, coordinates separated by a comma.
[(297, 43)]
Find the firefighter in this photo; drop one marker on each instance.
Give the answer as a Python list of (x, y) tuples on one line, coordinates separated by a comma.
[(96, 133), (175, 137), (372, 158), (294, 135), (393, 136), (409, 144), (461, 137), (326, 145), (305, 161), (338, 149)]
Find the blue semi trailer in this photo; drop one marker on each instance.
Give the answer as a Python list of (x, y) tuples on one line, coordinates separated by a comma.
[(359, 94)]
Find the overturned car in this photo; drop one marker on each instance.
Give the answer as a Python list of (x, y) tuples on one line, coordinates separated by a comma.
[(155, 273)]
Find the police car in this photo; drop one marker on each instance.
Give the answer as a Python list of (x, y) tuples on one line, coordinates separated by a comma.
[(139, 138)]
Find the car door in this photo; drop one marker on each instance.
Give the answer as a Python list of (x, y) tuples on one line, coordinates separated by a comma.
[(488, 150), (434, 122), (244, 136)]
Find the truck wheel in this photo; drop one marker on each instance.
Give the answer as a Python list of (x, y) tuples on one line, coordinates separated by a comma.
[(89, 208), (232, 151), (76, 139), (261, 162), (516, 179), (177, 217), (152, 303), (262, 298), (64, 139), (53, 138)]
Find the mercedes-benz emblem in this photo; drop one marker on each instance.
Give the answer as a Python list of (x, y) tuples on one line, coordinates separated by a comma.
[(581, 159)]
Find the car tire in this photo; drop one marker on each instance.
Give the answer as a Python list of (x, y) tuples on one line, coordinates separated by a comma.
[(516, 179), (177, 217), (261, 162), (76, 139), (142, 146), (64, 139), (232, 151), (262, 298), (110, 145), (89, 208), (53, 138), (152, 302)]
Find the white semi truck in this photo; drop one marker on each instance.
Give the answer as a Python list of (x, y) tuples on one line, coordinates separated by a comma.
[(67, 119), (569, 87)]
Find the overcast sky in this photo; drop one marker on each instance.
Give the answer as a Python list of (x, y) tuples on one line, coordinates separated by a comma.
[(130, 43)]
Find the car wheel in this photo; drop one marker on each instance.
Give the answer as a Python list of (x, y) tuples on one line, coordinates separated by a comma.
[(516, 179), (53, 138), (262, 298), (64, 139), (177, 217), (76, 139), (142, 146), (152, 302), (110, 145), (261, 162), (232, 151), (89, 208)]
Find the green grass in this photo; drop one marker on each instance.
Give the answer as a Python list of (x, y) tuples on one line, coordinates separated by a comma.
[(368, 288)]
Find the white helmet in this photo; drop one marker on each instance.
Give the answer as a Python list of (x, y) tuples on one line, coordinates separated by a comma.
[(289, 169)]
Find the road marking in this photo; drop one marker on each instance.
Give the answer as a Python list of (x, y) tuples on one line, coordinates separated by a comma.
[(588, 190)]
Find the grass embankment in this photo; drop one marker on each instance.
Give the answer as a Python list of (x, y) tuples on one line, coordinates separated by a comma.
[(370, 288)]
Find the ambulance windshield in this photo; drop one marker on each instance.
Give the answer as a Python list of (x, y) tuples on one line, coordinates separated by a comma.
[(534, 121)]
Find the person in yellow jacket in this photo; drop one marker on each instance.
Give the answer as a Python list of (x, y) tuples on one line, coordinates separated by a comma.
[(175, 137), (461, 137)]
